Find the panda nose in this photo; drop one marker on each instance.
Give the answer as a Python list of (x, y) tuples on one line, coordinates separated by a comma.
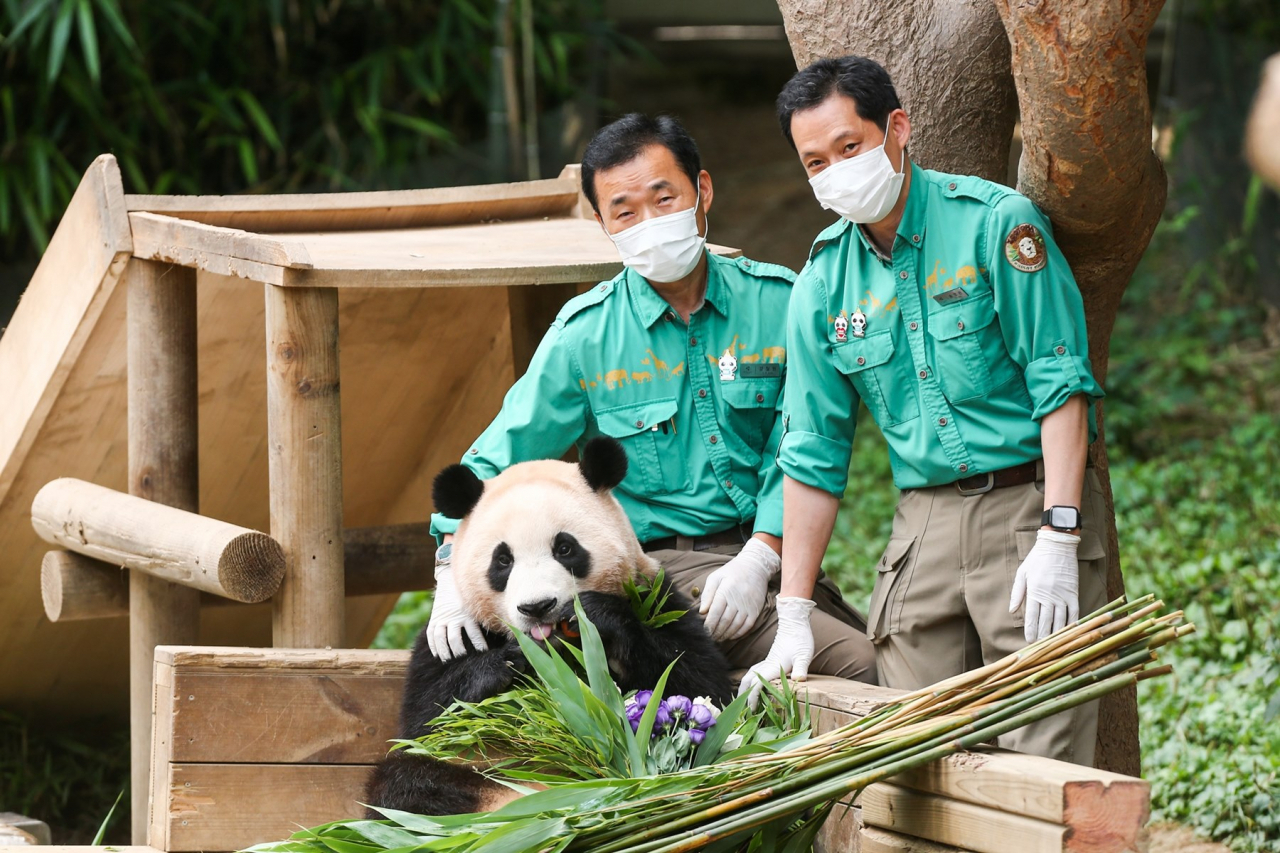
[(537, 609)]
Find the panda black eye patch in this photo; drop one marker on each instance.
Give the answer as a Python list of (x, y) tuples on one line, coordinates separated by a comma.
[(569, 553), (500, 566)]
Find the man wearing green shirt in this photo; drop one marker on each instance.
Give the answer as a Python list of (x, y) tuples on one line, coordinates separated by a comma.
[(943, 304), (681, 357)]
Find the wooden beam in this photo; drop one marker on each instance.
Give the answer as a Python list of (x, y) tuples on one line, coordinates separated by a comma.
[(173, 545), (369, 210), (304, 440), (532, 311), (167, 238), (945, 821), (872, 839), (377, 561), (163, 473)]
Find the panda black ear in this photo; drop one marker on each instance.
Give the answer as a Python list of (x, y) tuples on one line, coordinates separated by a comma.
[(603, 463), (456, 490)]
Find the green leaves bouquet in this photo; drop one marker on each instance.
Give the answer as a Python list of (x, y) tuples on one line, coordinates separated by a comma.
[(626, 773)]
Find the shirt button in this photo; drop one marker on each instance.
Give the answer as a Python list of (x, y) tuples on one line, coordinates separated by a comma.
[(963, 467), (639, 424), (474, 451), (702, 392), (915, 238), (942, 421), (914, 325), (759, 398), (604, 287), (903, 275), (951, 185), (1060, 350), (924, 374), (670, 316), (728, 484), (960, 325), (693, 342), (715, 440), (861, 360)]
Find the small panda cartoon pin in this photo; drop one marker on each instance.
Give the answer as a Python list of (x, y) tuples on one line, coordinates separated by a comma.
[(728, 366), (842, 328), (858, 323)]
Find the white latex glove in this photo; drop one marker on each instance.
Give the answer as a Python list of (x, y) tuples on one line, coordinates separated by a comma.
[(449, 620), (1049, 580), (734, 595), (791, 652)]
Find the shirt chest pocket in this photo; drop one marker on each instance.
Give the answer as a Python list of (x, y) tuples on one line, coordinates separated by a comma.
[(968, 350), (647, 431), (751, 408), (877, 377)]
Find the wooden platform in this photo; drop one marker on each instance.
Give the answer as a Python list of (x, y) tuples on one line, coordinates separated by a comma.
[(428, 349)]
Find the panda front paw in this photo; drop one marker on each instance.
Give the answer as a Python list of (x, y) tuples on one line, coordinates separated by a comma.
[(514, 657)]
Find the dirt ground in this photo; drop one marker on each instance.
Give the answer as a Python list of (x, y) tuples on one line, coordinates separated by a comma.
[(1173, 838)]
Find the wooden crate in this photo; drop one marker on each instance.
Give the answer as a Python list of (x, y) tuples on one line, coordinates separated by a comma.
[(251, 744)]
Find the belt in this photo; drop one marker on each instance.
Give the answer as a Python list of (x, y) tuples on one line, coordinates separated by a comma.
[(736, 535), (1018, 475)]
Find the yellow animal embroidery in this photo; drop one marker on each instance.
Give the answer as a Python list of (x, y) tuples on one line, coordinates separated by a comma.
[(966, 275), (583, 383), (778, 354), (658, 364), (750, 359), (642, 376), (931, 280), (678, 370), (616, 378)]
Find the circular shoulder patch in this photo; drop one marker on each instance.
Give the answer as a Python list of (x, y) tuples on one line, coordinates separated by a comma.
[(1024, 248)]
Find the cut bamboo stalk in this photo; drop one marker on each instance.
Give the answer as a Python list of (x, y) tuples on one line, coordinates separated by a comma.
[(304, 440), (173, 545), (164, 477), (377, 561)]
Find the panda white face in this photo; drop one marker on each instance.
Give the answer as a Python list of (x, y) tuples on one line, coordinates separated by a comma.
[(538, 534)]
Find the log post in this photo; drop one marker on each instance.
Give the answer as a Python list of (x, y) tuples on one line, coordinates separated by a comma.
[(162, 394), (304, 439)]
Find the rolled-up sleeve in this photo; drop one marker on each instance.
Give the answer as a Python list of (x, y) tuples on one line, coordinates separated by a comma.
[(542, 416), (1041, 313), (820, 413)]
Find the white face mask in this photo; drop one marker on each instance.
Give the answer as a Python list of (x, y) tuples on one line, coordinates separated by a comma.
[(663, 248), (863, 188)]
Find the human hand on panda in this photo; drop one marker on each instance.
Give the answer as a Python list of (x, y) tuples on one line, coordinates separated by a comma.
[(792, 649), (734, 595), (449, 621)]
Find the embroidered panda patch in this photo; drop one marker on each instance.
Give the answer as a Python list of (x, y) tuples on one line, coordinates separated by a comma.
[(1024, 248)]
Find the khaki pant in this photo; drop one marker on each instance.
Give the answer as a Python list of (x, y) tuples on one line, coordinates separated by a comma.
[(941, 600), (840, 643)]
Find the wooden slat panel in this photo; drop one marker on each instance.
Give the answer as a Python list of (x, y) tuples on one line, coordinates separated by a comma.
[(872, 839), (234, 806), (935, 818), (839, 834), (156, 236)]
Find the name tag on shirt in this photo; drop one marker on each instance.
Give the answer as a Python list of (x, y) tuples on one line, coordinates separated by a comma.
[(760, 371), (955, 294)]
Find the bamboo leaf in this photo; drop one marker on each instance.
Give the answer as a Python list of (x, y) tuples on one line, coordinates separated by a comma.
[(719, 733), (33, 13), (259, 117), (88, 39), (383, 834), (111, 11), (58, 40), (521, 836)]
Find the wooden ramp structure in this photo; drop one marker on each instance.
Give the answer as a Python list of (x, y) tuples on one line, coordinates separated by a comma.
[(242, 401)]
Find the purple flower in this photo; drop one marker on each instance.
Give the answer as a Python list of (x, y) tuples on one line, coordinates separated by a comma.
[(642, 698), (662, 719), (634, 713), (697, 736), (702, 717), (680, 706)]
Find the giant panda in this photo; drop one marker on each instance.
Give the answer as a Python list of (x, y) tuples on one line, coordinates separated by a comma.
[(531, 540)]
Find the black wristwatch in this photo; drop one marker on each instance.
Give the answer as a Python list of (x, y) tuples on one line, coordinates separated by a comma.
[(1063, 518)]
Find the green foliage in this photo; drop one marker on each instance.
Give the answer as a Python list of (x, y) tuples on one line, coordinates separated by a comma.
[(649, 601), (67, 777), (215, 97)]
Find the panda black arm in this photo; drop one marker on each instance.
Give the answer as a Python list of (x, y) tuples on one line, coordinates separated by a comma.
[(639, 654), (432, 685)]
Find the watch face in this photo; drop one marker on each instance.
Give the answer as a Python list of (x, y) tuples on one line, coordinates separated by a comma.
[(1064, 517), (444, 551)]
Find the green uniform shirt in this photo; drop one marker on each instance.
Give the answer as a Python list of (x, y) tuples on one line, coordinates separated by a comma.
[(701, 430), (965, 343)]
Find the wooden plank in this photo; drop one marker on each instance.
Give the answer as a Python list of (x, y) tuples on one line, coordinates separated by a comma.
[(532, 311), (839, 833), (234, 806), (76, 276), (369, 210), (163, 477), (164, 716), (959, 824), (161, 238), (373, 662), (304, 434), (1093, 802), (323, 716), (872, 839), (171, 544)]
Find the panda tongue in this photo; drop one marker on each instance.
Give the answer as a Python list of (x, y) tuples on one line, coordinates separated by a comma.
[(541, 632)]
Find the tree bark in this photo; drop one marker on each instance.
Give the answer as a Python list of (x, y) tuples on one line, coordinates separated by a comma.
[(949, 60), (1081, 85)]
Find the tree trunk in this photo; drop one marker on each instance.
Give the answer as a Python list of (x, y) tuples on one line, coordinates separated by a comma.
[(1087, 162), (949, 60)]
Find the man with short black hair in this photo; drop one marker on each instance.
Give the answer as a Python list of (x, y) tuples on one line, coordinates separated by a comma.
[(943, 304), (681, 358)]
